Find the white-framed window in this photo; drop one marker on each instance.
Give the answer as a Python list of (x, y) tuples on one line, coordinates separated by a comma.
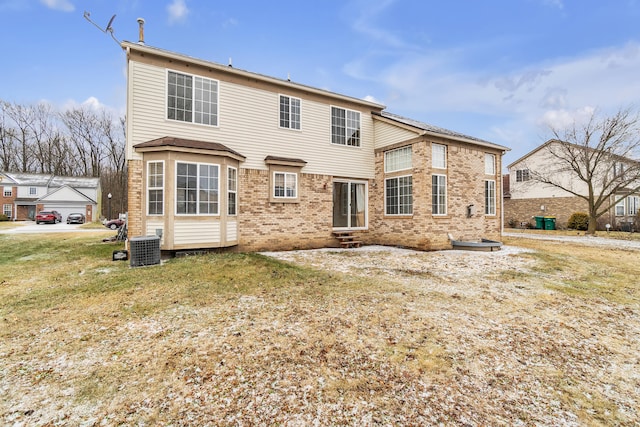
[(289, 112), (232, 190), (285, 185), (522, 175), (398, 159), (7, 191), (620, 208), (489, 197), (345, 127), (33, 191), (439, 194), (155, 188), (632, 205), (192, 99), (489, 164), (618, 169), (439, 156), (398, 195), (197, 188), (7, 210)]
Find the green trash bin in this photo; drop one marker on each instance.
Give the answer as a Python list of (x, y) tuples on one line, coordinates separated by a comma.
[(549, 222), (539, 222)]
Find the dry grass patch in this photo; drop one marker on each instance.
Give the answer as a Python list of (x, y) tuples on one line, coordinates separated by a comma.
[(360, 337)]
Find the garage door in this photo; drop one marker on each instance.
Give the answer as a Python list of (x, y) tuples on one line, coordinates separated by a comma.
[(66, 209)]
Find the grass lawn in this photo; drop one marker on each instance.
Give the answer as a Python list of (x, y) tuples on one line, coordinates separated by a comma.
[(546, 336)]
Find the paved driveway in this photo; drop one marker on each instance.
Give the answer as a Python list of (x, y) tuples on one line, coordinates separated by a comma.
[(30, 227), (600, 240)]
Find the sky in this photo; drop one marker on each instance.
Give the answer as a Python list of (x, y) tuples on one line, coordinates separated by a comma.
[(501, 70)]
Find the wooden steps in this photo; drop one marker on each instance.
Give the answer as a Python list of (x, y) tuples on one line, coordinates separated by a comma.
[(347, 239)]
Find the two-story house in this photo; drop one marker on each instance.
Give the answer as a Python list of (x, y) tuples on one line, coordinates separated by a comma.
[(222, 157), (25, 194), (528, 197)]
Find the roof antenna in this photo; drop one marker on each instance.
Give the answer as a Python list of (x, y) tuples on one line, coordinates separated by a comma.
[(108, 29)]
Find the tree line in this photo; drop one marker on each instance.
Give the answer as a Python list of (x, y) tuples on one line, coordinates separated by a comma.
[(79, 141)]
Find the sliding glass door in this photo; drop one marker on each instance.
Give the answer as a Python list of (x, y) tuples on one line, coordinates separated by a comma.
[(349, 204)]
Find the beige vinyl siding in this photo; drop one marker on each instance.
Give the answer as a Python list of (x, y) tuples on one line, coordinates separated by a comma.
[(388, 134), (248, 123), (152, 226), (232, 231), (196, 232)]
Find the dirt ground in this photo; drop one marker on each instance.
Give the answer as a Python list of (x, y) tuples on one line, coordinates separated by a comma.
[(416, 338)]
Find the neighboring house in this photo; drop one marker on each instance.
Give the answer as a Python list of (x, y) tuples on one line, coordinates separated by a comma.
[(25, 194), (528, 198), (221, 157)]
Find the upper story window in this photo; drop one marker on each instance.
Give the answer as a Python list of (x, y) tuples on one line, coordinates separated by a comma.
[(345, 127), (33, 191), (489, 164), (439, 156), (522, 175), (618, 169), (397, 160), (197, 189), (192, 99), (289, 112), (155, 188), (7, 192), (285, 185)]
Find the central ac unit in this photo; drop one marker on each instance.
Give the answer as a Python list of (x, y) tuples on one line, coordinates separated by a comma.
[(144, 250)]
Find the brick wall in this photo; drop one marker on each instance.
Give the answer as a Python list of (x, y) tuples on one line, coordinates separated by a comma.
[(422, 230), (282, 226), (523, 210), (135, 183), (9, 201)]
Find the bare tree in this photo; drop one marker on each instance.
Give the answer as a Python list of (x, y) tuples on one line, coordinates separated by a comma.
[(21, 118), (596, 161), (85, 137), (50, 150), (8, 149)]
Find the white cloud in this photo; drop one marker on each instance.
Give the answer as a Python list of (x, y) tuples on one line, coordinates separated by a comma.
[(62, 5), (178, 12)]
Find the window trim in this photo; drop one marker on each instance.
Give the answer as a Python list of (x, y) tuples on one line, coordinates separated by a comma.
[(490, 209), (439, 214), (193, 100), (197, 201), (33, 191), (523, 175), (399, 196), (284, 174), (490, 167), (620, 205), (5, 210), (387, 167), (7, 193), (161, 189), (290, 120), (433, 157), (357, 131), (231, 191)]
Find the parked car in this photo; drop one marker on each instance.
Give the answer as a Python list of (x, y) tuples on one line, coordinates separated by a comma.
[(114, 224), (75, 218), (51, 217)]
